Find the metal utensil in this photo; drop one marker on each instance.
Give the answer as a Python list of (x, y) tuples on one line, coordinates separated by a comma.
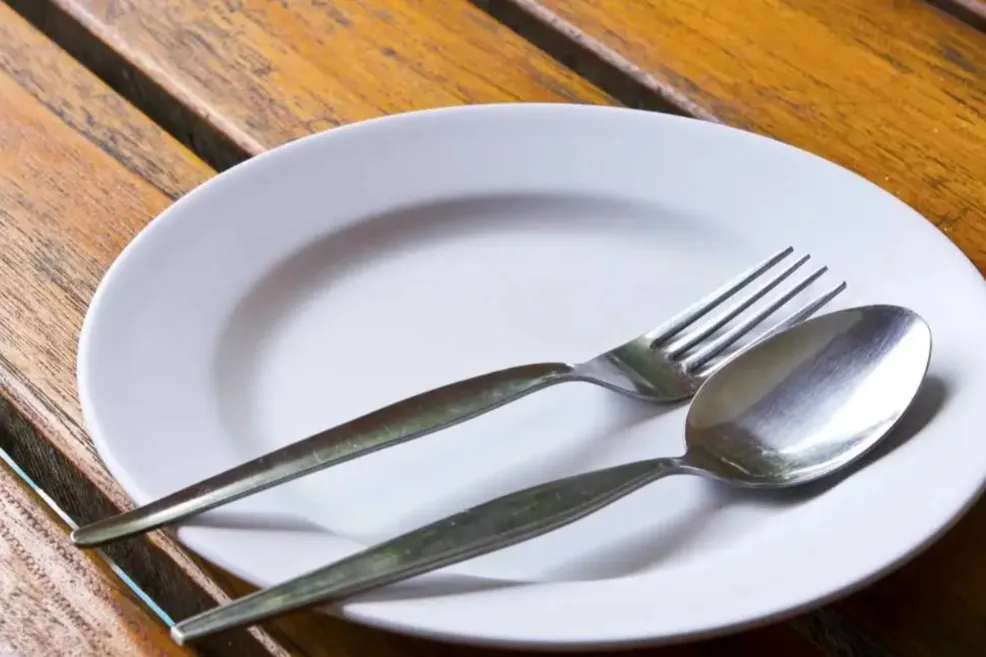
[(795, 407), (659, 366)]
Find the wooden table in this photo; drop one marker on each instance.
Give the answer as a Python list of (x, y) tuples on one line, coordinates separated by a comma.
[(112, 109)]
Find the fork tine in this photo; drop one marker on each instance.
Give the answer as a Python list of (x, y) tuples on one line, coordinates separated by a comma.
[(707, 303), (732, 312), (804, 312), (800, 315), (702, 356)]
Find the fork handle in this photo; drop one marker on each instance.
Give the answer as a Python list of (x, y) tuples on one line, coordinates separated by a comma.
[(400, 422), (490, 526)]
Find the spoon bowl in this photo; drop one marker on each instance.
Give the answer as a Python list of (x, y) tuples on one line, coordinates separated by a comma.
[(794, 407), (810, 400)]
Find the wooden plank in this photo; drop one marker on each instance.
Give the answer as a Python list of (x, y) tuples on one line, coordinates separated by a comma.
[(829, 77), (252, 74), (80, 172), (62, 601), (893, 89)]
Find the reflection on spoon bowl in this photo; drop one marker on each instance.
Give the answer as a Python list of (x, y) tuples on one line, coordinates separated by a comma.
[(811, 400)]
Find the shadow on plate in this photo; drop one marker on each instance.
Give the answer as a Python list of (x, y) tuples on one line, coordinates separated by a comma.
[(642, 552), (646, 551), (255, 522), (930, 400)]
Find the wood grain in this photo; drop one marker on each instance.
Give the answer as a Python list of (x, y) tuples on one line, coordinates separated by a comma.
[(261, 73), (62, 601), (80, 172), (892, 89)]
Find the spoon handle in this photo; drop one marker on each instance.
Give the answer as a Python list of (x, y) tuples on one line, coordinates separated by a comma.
[(493, 525), (400, 422)]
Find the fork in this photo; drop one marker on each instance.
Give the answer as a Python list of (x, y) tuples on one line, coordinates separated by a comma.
[(664, 365)]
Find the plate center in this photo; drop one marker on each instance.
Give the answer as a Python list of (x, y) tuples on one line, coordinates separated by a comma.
[(389, 306)]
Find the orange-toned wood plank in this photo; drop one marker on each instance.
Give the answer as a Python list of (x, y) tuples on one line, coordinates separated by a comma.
[(262, 73), (80, 172), (893, 89), (61, 601)]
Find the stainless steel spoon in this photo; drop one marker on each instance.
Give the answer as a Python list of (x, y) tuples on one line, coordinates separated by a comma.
[(800, 405)]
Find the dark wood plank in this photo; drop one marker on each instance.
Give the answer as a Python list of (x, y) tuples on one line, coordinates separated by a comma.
[(972, 12), (62, 601), (81, 171)]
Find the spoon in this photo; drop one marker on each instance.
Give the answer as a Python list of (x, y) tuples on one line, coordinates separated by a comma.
[(797, 406)]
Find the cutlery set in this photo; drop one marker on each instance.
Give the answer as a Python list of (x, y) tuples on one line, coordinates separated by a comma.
[(800, 401)]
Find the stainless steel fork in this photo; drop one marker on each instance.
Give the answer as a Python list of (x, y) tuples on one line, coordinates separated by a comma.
[(664, 365)]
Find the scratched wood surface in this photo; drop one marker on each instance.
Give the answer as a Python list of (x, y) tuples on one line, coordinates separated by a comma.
[(80, 172), (62, 601)]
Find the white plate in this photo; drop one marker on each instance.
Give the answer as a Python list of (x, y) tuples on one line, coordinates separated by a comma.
[(352, 268)]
